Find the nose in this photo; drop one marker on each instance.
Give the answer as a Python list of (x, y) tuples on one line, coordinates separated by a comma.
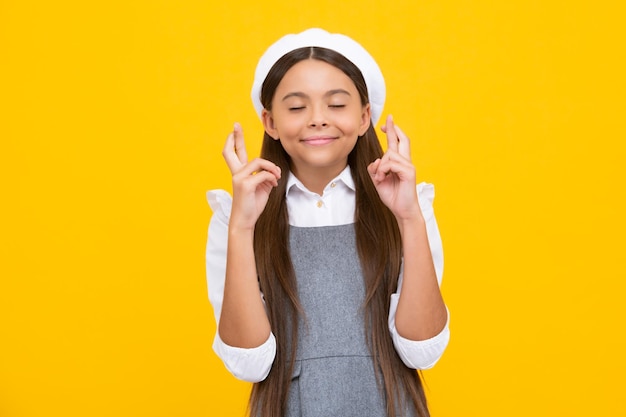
[(318, 118)]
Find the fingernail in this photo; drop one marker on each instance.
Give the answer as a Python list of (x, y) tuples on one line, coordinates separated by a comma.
[(237, 126)]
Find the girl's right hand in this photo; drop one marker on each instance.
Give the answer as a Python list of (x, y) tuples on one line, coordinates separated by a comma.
[(252, 181)]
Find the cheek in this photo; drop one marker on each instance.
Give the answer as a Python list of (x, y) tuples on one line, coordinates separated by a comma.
[(289, 125), (287, 128), (352, 125)]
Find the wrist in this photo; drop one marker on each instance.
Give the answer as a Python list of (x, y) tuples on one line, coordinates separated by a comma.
[(413, 222), (239, 231), (240, 224)]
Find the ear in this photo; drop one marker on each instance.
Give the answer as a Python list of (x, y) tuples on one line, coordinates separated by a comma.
[(366, 119), (268, 124)]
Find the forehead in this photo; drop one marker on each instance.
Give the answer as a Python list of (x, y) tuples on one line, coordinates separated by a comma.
[(315, 75)]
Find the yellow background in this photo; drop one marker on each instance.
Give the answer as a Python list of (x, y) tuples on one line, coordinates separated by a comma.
[(112, 119)]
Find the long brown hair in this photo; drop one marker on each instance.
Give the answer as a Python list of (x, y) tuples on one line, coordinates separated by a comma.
[(380, 251)]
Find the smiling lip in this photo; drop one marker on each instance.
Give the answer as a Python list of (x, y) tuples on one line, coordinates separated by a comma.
[(318, 140)]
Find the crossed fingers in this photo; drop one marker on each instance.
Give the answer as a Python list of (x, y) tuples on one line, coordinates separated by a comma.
[(236, 158)]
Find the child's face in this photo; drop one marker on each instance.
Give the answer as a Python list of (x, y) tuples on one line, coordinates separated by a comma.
[(317, 115)]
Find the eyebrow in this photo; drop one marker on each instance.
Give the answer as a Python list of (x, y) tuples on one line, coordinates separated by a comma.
[(327, 94)]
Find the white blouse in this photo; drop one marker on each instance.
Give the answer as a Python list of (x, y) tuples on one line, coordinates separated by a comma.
[(334, 207)]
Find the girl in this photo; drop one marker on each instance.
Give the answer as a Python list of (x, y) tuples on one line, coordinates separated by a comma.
[(324, 267)]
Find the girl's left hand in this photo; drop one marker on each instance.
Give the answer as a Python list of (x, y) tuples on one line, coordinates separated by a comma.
[(393, 175)]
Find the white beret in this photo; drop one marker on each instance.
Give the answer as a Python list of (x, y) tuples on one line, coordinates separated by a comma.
[(338, 43)]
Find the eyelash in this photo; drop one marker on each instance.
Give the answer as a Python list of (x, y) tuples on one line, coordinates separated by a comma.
[(332, 106)]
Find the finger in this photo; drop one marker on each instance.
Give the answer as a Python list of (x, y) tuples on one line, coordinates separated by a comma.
[(394, 158), (393, 162), (240, 146), (373, 167), (379, 169), (258, 165), (229, 154), (392, 138), (377, 175), (262, 178), (404, 144), (234, 151)]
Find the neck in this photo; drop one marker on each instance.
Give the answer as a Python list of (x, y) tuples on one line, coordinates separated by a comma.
[(316, 179)]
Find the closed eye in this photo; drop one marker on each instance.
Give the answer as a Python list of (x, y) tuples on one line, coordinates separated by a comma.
[(337, 106)]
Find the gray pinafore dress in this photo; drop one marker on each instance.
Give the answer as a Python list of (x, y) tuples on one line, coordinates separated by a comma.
[(334, 374)]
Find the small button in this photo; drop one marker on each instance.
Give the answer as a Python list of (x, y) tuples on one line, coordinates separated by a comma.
[(333, 184), (320, 203)]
